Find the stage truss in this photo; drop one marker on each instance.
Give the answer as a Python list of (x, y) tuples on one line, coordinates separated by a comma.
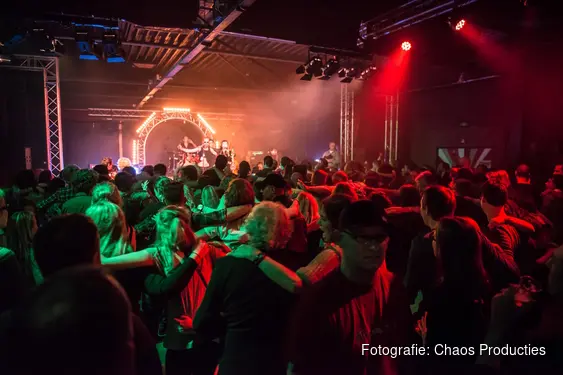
[(116, 113), (157, 118), (49, 66), (391, 129), (346, 123), (348, 127)]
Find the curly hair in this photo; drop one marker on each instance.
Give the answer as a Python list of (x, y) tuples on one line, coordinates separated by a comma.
[(123, 162), (173, 233), (268, 227), (106, 192), (239, 193)]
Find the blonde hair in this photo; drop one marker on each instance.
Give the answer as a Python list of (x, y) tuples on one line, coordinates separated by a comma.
[(123, 162), (110, 221), (308, 207), (106, 192), (173, 233), (268, 226)]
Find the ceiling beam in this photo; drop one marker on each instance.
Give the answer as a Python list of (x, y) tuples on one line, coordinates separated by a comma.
[(254, 57), (203, 41), (176, 86), (214, 51)]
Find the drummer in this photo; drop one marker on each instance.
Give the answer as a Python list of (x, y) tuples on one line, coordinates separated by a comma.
[(205, 152)]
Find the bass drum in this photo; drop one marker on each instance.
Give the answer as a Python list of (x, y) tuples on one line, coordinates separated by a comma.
[(188, 159), (192, 159)]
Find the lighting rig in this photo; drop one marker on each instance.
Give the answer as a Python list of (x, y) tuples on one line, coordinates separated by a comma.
[(324, 64), (409, 14), (98, 42)]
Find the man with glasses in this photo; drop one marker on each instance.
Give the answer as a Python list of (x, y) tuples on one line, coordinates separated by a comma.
[(351, 306)]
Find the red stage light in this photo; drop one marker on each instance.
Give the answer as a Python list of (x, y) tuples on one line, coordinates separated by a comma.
[(460, 25), (406, 46)]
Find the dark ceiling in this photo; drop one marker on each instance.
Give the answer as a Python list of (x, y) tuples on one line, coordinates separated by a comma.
[(308, 22)]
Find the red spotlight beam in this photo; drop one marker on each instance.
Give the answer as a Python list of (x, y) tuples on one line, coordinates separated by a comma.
[(496, 55), (394, 73)]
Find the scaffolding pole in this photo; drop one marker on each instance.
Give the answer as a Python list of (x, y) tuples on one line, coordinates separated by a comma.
[(352, 129), (347, 131), (391, 114), (396, 129), (343, 99), (385, 144)]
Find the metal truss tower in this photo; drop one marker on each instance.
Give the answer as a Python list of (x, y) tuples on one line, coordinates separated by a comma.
[(49, 66), (391, 129), (347, 131), (157, 118)]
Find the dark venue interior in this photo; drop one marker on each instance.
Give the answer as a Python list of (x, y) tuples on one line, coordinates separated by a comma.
[(266, 187)]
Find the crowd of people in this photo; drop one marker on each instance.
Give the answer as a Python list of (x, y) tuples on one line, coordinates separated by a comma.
[(281, 269)]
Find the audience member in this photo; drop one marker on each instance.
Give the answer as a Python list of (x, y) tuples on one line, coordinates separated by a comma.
[(241, 298), (82, 183), (314, 274), (160, 170)]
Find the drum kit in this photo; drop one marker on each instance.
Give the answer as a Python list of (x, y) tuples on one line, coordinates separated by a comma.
[(179, 159)]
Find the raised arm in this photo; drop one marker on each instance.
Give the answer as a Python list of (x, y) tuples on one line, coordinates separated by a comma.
[(158, 285), (189, 150), (132, 260), (278, 273)]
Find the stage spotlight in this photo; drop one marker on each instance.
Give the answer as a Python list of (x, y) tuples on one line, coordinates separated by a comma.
[(84, 44), (350, 74), (459, 25), (332, 67), (307, 77), (342, 72), (406, 46), (111, 48), (315, 67), (368, 73)]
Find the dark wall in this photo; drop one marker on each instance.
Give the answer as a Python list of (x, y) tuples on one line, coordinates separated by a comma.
[(22, 121), (370, 124), (491, 110), (87, 142)]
